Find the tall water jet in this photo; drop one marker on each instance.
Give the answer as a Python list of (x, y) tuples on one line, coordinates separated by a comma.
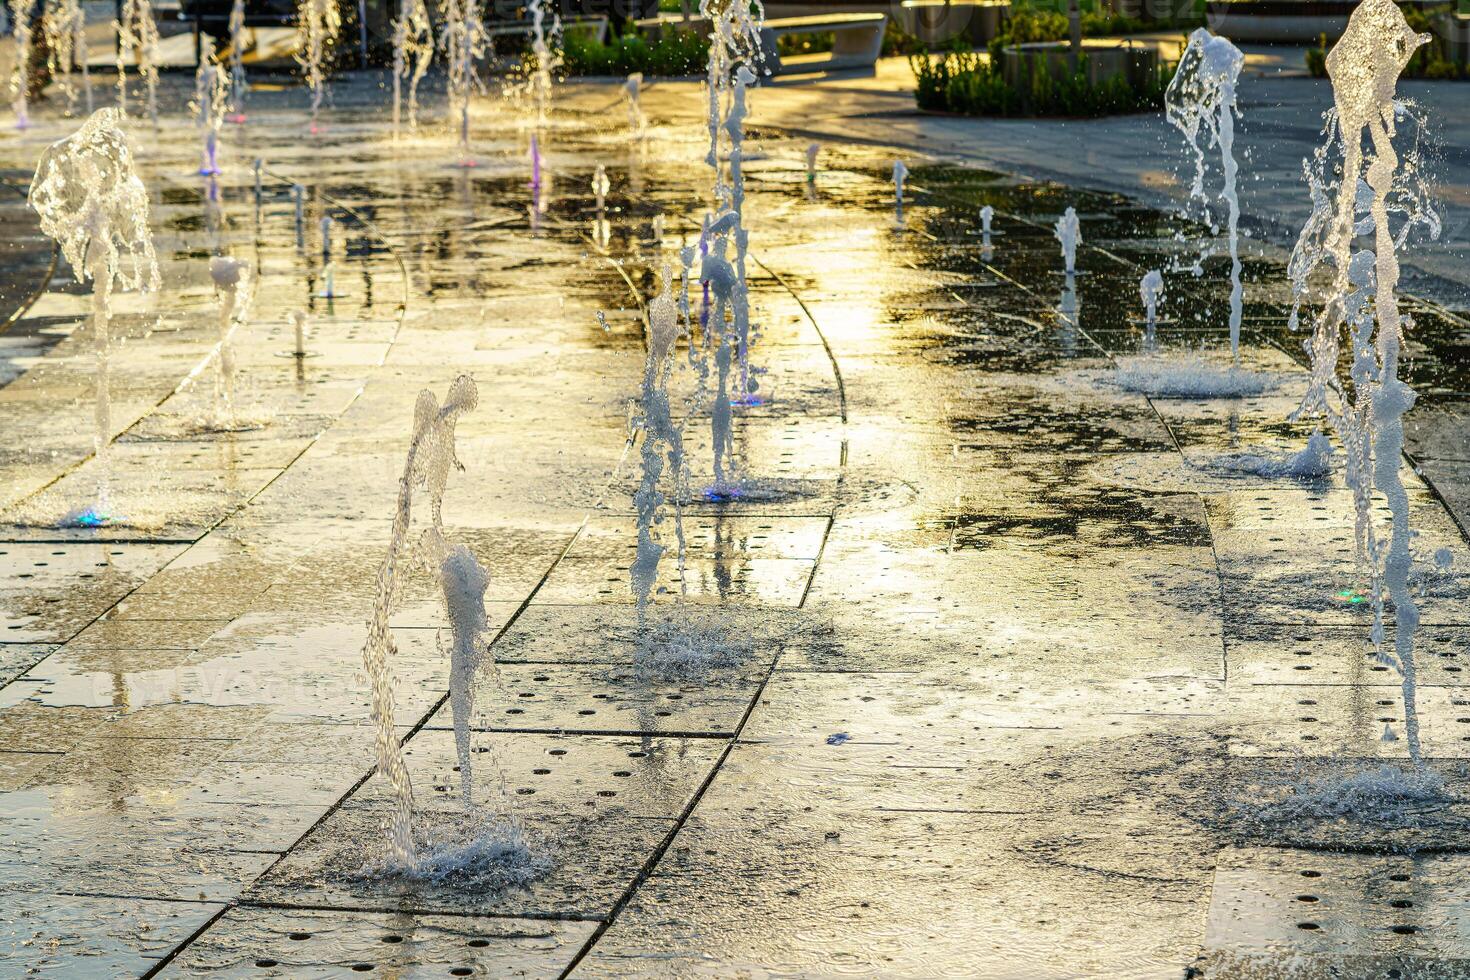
[(1068, 232), (546, 58), (64, 25), (232, 280), (20, 74), (88, 197), (430, 460), (1364, 68), (239, 85), (137, 40), (210, 94), (413, 49), (464, 581), (662, 443), (318, 25), (464, 41), (1200, 102)]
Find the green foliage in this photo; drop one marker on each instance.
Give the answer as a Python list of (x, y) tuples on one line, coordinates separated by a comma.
[(966, 83), (1431, 61), (675, 53)]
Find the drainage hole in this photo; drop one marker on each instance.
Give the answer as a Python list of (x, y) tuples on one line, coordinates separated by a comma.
[(622, 773), (299, 936), (1402, 903), (1309, 926), (1306, 898), (1398, 877), (637, 755), (1311, 874), (362, 967), (557, 752), (1405, 930), (392, 939), (460, 971), (541, 772), (479, 943), (265, 964)]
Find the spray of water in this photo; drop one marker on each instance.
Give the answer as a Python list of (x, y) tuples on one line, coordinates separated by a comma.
[(430, 459), (413, 50), (1370, 192), (211, 93), (137, 41), (1200, 102), (88, 197), (318, 25)]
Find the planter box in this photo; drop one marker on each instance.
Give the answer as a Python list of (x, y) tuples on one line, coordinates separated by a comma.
[(1102, 61), (938, 22)]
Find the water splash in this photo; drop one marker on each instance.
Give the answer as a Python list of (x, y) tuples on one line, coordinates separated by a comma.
[(89, 198), (413, 50), (211, 91), (239, 84), (431, 458), (1068, 232), (318, 25), (1200, 102), (137, 40)]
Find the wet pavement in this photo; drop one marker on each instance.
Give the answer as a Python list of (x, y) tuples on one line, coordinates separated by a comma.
[(1015, 664)]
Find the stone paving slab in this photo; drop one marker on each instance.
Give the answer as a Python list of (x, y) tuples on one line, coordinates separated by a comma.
[(319, 944), (606, 698), (56, 935)]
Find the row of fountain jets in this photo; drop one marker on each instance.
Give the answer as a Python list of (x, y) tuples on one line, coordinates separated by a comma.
[(102, 231)]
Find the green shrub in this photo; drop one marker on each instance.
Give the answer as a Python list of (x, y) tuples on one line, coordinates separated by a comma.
[(675, 53), (966, 83)]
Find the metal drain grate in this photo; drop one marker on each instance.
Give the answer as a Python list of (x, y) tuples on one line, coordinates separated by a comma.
[(1324, 914)]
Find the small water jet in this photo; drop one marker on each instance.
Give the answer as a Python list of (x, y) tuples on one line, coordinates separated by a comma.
[(600, 186), (137, 40), (900, 174), (329, 261), (431, 458), (637, 121), (88, 197), (1068, 232), (1364, 68), (1200, 103), (546, 58), (413, 50), (20, 73), (239, 84), (318, 25), (1150, 290), (987, 216), (464, 581), (812, 150), (210, 93), (232, 280), (298, 199)]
